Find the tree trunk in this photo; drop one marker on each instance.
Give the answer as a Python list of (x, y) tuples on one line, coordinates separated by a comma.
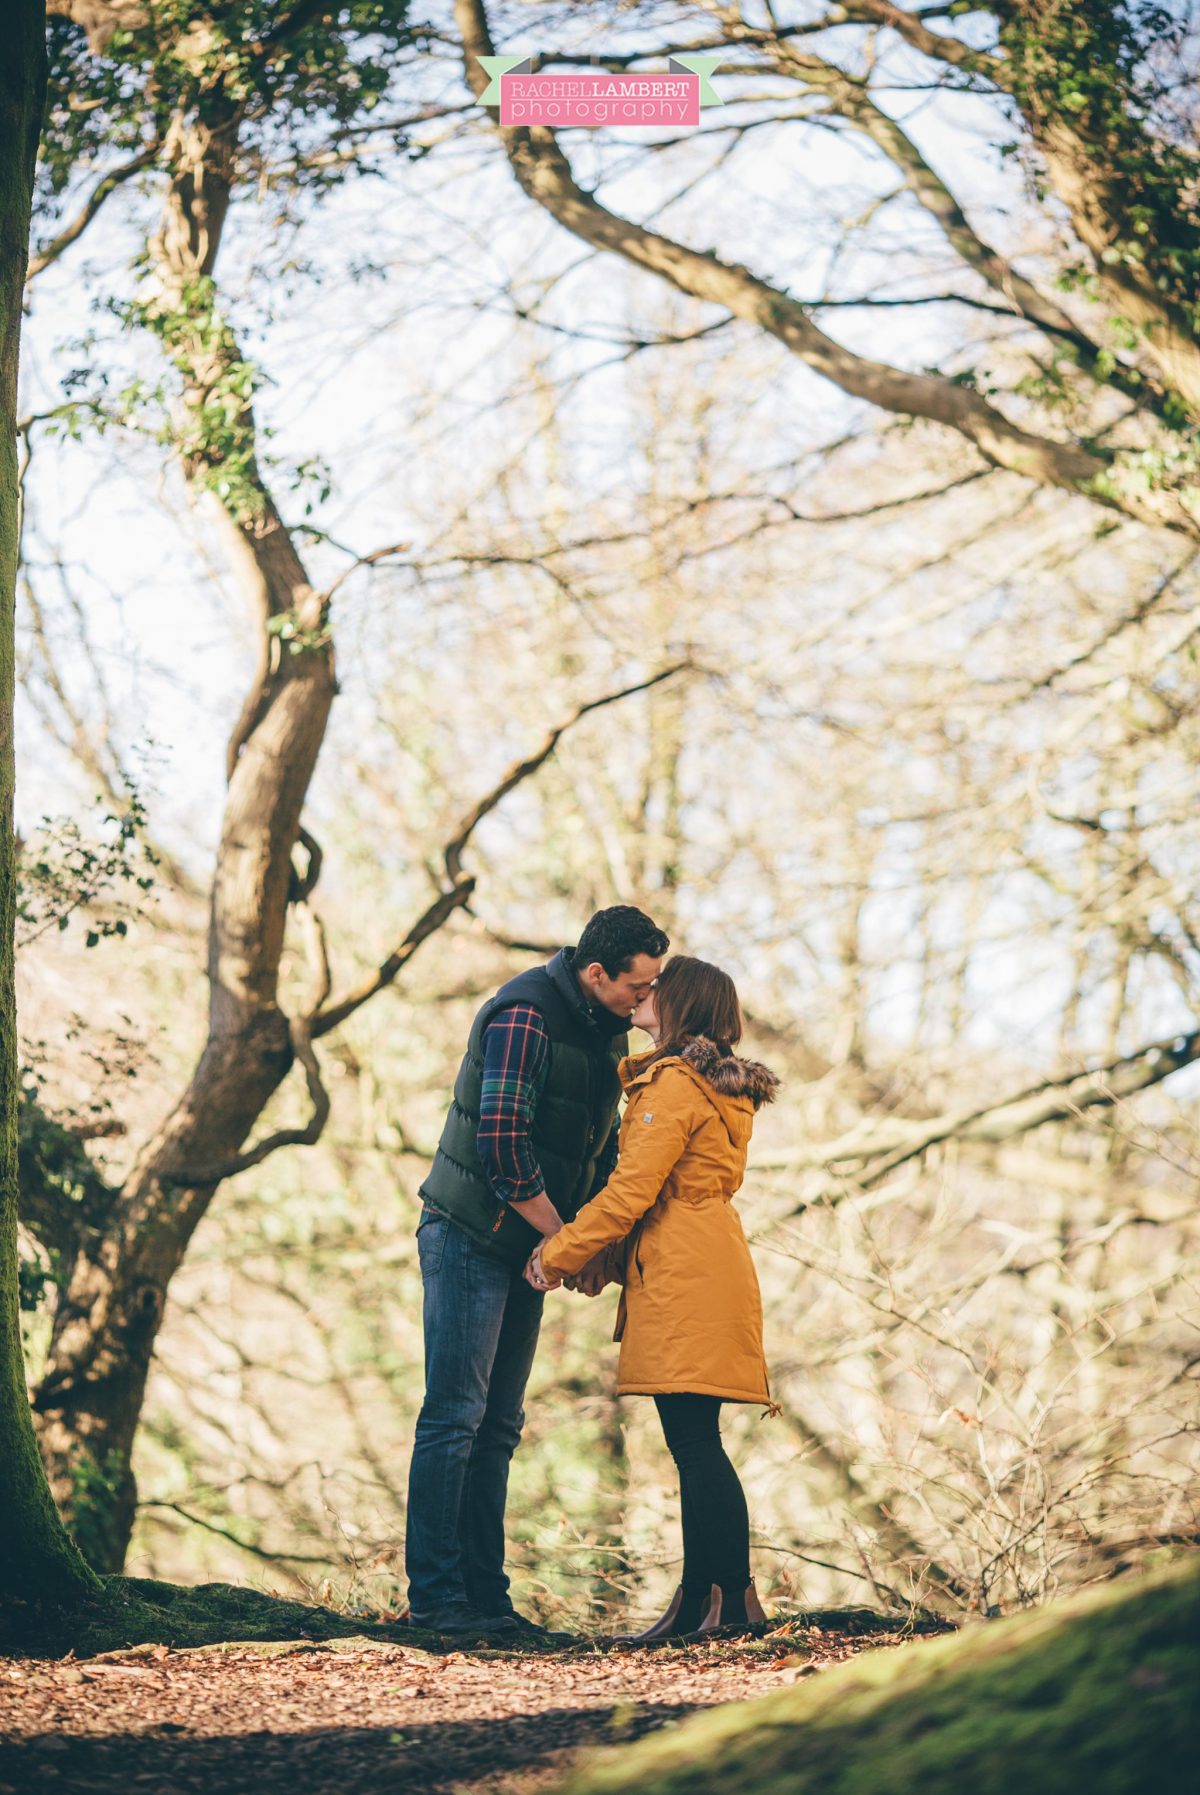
[(37, 1560), (111, 1305)]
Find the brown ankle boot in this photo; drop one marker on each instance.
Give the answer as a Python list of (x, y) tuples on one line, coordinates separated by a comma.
[(753, 1626), (674, 1624)]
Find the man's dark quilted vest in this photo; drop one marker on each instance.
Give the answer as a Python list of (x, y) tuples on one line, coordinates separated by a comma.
[(575, 1113)]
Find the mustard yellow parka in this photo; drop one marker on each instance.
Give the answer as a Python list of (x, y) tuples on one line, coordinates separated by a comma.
[(690, 1316)]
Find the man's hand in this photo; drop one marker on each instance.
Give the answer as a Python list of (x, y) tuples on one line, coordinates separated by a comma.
[(534, 1274)]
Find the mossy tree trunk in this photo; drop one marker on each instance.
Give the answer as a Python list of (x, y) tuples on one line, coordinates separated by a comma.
[(111, 1302), (37, 1560)]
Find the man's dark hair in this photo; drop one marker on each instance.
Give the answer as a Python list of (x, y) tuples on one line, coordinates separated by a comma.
[(614, 936)]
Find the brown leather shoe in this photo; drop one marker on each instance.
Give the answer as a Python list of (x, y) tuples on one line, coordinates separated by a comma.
[(712, 1626), (674, 1624)]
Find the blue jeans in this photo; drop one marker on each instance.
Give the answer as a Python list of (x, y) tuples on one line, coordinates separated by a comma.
[(481, 1330)]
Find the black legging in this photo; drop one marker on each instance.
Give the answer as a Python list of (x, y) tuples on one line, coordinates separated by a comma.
[(716, 1524)]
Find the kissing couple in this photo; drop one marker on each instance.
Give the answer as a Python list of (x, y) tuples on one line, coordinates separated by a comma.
[(534, 1187)]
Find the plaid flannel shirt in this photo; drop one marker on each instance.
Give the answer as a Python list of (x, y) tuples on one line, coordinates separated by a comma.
[(516, 1059)]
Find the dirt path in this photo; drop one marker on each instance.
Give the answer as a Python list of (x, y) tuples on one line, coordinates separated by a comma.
[(356, 1717)]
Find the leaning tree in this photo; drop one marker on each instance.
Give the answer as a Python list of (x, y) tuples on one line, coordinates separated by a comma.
[(37, 1560)]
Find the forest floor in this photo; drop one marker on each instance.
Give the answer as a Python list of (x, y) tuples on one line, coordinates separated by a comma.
[(361, 1716)]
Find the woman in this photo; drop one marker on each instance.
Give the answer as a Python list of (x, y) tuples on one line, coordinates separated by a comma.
[(690, 1317)]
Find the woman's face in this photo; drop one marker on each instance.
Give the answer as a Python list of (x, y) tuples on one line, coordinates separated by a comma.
[(646, 1014)]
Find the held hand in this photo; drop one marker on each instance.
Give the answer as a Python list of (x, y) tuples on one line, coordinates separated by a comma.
[(536, 1276), (594, 1276)]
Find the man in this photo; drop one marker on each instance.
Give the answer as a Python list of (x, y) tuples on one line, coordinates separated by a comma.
[(530, 1136)]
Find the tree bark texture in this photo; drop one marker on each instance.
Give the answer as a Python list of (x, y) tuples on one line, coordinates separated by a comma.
[(37, 1560), (111, 1305)]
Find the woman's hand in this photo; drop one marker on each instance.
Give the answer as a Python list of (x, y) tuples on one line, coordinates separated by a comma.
[(534, 1274), (594, 1275)]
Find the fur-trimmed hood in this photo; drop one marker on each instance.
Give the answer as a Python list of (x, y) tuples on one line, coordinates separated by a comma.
[(728, 1073)]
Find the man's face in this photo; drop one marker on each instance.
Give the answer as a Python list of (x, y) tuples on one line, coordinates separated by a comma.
[(624, 993)]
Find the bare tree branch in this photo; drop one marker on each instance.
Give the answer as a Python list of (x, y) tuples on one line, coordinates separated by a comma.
[(894, 1536), (426, 925), (934, 44), (1084, 175), (876, 1150), (462, 885), (300, 1030), (242, 1545), (107, 185), (851, 100), (521, 769), (544, 173), (371, 560)]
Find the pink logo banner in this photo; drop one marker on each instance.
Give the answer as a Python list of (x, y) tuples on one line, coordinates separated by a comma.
[(599, 99)]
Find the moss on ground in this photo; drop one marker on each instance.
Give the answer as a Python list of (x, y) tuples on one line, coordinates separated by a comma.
[(1091, 1696), (133, 1611)]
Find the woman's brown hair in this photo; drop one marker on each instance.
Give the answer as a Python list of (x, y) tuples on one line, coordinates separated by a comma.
[(694, 998)]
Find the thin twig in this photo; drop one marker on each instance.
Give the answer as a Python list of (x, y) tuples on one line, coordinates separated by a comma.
[(100, 192), (224, 1533)]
